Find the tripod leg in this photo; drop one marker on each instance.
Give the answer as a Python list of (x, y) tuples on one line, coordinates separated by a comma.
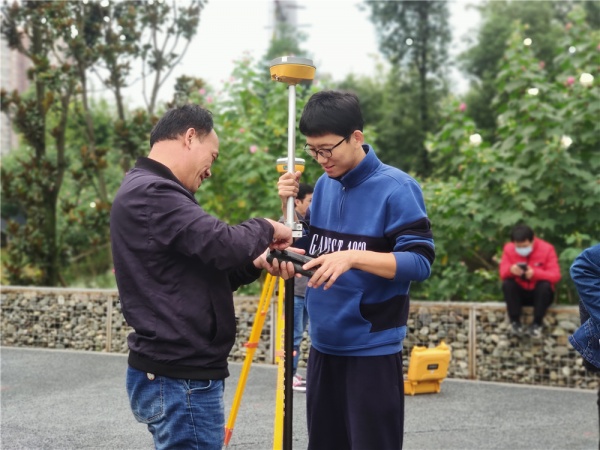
[(251, 345), (279, 353)]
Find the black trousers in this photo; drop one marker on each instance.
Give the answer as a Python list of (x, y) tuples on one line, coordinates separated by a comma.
[(516, 297), (354, 402)]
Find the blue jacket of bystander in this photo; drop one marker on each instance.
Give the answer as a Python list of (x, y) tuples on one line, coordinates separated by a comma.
[(585, 272)]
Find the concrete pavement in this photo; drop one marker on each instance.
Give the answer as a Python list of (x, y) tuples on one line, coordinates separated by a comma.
[(52, 399)]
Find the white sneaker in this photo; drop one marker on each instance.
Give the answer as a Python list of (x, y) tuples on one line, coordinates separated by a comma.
[(535, 331), (298, 383)]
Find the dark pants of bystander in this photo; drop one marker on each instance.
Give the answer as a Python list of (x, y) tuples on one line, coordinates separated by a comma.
[(540, 297)]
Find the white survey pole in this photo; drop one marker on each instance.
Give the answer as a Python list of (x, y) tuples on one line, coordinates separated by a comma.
[(290, 70), (291, 216)]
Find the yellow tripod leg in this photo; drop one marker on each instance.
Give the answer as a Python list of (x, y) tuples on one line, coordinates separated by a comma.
[(251, 345), (279, 399)]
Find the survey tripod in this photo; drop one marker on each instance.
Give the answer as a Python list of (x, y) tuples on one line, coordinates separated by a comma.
[(290, 70), (251, 345)]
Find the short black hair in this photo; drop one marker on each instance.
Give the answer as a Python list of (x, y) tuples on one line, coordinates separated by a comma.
[(176, 121), (303, 190), (331, 112), (521, 233)]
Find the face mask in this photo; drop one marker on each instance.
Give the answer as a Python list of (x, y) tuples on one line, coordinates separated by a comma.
[(524, 251)]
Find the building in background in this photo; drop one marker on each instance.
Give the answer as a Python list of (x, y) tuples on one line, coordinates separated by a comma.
[(284, 11), (283, 17), (13, 75)]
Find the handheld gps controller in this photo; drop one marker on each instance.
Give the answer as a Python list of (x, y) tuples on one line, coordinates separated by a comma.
[(296, 258)]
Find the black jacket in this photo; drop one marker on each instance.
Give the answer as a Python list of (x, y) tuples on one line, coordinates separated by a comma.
[(176, 268)]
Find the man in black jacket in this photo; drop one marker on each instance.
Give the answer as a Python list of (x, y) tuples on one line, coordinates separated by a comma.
[(176, 268)]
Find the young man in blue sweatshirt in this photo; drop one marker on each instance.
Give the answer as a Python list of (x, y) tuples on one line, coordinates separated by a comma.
[(370, 236)]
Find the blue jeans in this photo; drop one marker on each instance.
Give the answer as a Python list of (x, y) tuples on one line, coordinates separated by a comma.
[(585, 272), (180, 414), (300, 322)]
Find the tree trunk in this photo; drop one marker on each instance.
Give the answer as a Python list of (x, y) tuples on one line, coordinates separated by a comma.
[(423, 67)]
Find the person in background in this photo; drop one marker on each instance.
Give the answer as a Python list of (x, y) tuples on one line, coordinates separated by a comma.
[(176, 268), (585, 273), (529, 271), (371, 237), (302, 202)]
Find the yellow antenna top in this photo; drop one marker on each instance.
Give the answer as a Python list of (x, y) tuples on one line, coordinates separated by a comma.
[(292, 70)]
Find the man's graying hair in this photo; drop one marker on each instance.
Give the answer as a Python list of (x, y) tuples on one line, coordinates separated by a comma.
[(175, 122)]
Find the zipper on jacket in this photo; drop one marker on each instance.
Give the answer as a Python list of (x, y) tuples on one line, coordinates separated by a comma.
[(344, 190)]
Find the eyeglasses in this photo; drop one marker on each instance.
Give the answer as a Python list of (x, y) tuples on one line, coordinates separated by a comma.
[(323, 152)]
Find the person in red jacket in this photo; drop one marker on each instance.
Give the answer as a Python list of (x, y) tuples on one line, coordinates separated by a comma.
[(529, 271)]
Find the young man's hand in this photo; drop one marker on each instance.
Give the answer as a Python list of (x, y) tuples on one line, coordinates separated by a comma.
[(331, 267), (287, 187)]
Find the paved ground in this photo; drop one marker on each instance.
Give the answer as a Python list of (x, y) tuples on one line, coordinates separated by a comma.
[(76, 400)]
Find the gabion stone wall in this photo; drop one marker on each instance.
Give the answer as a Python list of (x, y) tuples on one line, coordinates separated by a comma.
[(483, 347), (62, 319), (477, 333), (550, 360)]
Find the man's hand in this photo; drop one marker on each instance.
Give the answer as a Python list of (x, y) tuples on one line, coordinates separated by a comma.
[(282, 269), (296, 258), (282, 236), (516, 270)]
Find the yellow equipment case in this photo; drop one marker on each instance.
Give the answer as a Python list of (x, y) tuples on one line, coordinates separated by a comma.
[(427, 369)]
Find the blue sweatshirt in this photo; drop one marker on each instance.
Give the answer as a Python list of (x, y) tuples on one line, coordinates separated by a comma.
[(373, 207)]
